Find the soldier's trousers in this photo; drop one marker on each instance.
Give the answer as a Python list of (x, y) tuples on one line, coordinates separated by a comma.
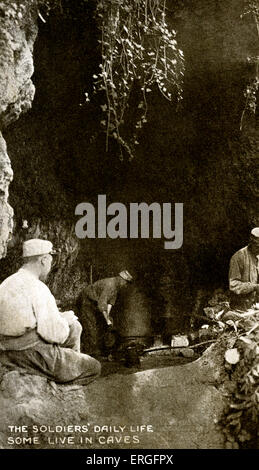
[(60, 363), (94, 326)]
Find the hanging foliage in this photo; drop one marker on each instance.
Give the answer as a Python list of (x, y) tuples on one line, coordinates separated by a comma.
[(138, 50), (250, 93)]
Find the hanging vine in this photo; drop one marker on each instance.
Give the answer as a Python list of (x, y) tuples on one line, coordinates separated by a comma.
[(138, 50), (250, 93)]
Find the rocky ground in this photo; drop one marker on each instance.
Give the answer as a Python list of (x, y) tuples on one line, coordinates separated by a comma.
[(176, 406)]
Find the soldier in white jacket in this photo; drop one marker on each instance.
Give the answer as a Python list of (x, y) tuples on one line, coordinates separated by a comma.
[(34, 334)]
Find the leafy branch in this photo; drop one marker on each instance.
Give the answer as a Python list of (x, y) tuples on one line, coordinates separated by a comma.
[(138, 51), (238, 337), (240, 424)]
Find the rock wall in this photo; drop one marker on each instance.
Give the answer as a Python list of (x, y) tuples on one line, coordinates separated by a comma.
[(65, 279), (6, 211), (18, 30)]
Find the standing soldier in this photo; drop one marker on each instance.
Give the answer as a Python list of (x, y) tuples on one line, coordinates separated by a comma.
[(94, 307)]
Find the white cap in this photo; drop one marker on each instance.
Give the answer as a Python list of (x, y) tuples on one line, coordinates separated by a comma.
[(126, 275), (255, 232), (37, 247)]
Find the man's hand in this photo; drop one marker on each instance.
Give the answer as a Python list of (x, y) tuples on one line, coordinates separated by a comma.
[(69, 316)]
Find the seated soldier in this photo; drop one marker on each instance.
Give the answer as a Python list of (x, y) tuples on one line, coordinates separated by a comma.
[(34, 335)]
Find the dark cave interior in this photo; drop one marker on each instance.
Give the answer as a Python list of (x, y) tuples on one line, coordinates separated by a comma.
[(196, 155)]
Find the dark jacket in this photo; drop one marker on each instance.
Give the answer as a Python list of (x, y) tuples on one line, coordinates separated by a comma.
[(103, 292)]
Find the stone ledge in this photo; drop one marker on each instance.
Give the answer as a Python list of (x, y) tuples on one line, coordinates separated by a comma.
[(181, 404)]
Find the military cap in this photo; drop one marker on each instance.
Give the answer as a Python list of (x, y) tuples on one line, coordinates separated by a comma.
[(255, 232), (37, 247), (126, 276)]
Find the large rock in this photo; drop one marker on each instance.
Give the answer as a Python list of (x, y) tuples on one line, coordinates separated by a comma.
[(27, 400), (177, 407), (182, 406)]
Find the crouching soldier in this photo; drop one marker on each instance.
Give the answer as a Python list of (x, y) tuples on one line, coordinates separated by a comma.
[(94, 306), (34, 334)]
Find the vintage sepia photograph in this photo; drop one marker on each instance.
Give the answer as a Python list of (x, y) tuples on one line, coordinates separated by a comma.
[(129, 227)]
